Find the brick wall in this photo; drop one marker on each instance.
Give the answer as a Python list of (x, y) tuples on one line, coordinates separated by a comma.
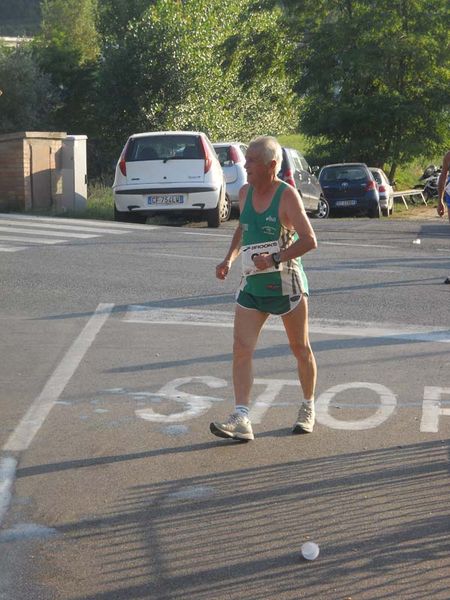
[(30, 170)]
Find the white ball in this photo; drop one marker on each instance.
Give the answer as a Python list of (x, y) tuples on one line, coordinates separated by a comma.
[(310, 550)]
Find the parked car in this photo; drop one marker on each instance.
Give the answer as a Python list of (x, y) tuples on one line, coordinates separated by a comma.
[(296, 171), (170, 172), (350, 187), (385, 191), (232, 160)]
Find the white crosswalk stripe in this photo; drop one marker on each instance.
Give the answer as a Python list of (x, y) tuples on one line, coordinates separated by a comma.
[(45, 232), (61, 227), (35, 230), (28, 240)]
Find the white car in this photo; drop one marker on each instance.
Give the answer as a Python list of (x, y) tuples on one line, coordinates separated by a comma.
[(385, 190), (232, 160), (170, 172)]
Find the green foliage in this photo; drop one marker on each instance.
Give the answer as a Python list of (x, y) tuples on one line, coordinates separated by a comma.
[(68, 49), (70, 25), (28, 95), (115, 15), (375, 78), (181, 66)]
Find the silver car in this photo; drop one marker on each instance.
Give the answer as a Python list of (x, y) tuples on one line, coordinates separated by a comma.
[(385, 191), (232, 160)]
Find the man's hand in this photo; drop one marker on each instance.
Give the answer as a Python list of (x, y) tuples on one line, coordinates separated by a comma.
[(223, 269), (263, 261), (440, 208)]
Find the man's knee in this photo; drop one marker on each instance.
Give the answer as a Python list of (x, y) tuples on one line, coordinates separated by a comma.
[(301, 351), (242, 347)]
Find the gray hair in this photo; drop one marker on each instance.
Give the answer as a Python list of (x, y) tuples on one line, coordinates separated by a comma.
[(268, 148)]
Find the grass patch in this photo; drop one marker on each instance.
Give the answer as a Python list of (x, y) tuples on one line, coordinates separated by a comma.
[(99, 206)]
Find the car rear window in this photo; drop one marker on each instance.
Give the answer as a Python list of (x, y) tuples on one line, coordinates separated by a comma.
[(331, 174), (223, 154), (164, 147), (377, 176)]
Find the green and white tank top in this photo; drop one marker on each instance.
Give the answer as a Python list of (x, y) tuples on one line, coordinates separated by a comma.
[(261, 233)]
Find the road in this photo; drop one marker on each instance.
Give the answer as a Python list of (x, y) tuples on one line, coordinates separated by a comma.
[(116, 354)]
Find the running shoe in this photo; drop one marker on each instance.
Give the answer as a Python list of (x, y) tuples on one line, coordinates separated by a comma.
[(236, 427), (306, 418)]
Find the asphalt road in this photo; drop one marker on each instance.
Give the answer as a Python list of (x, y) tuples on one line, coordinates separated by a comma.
[(116, 355)]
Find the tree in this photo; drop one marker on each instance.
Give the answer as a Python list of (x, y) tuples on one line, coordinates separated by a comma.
[(28, 96), (374, 77), (115, 15), (181, 66), (71, 24), (68, 49)]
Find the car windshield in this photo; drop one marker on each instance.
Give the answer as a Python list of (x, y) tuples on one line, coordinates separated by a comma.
[(164, 147), (334, 174)]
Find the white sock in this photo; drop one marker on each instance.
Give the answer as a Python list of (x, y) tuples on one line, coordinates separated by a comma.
[(241, 409), (308, 399)]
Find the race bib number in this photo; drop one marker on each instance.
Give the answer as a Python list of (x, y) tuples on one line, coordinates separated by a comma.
[(250, 251)]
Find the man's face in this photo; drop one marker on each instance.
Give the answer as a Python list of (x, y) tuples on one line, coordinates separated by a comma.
[(255, 167)]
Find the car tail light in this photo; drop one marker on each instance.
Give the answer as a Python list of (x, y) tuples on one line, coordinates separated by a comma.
[(233, 154), (370, 185), (207, 154), (288, 177), (381, 188), (122, 161)]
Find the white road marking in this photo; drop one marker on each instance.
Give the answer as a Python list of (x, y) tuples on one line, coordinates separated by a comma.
[(30, 424), (208, 234), (43, 220), (7, 228), (12, 248), (62, 227), (388, 403), (266, 399), (216, 318), (184, 256), (355, 245), (432, 408), (35, 240), (195, 405)]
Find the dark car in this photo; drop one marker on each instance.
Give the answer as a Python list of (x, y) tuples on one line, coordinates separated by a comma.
[(297, 172), (350, 187)]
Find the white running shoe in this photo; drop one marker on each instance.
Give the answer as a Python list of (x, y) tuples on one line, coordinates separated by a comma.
[(306, 418), (236, 427)]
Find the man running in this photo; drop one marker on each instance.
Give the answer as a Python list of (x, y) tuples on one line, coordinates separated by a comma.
[(273, 233)]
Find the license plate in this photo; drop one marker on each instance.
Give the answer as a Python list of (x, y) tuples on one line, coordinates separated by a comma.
[(346, 203), (165, 199)]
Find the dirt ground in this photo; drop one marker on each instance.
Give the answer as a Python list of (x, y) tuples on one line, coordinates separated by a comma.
[(416, 212)]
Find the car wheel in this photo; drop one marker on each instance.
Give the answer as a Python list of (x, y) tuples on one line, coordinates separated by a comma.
[(323, 209), (385, 212), (374, 212), (221, 213)]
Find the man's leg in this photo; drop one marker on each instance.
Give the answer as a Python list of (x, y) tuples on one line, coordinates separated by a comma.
[(296, 325), (247, 326)]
